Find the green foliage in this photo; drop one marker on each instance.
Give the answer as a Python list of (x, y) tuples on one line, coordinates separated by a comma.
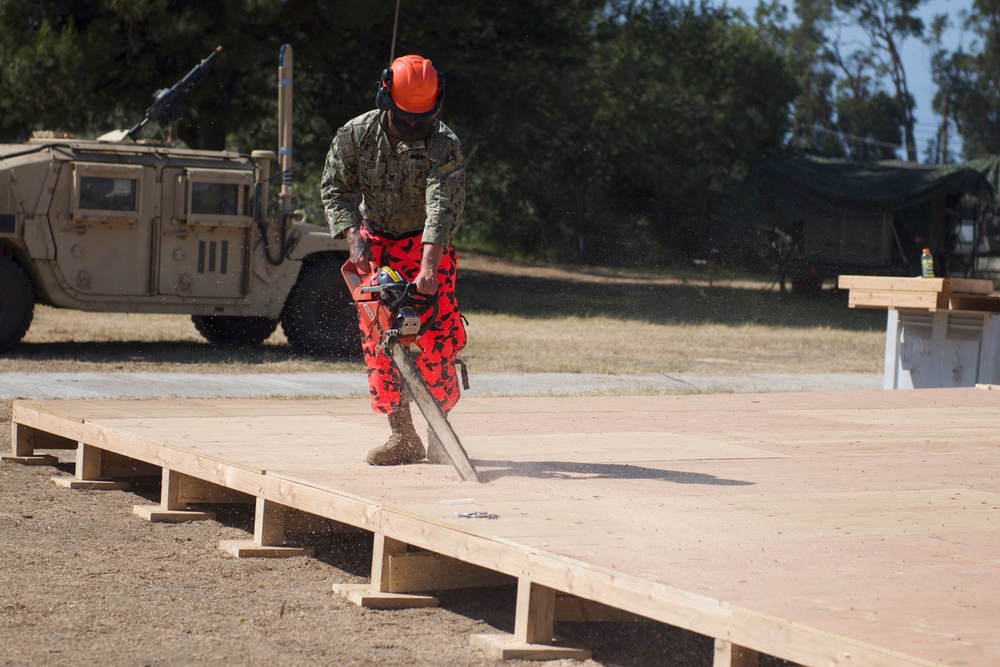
[(599, 131), (690, 99), (877, 118), (89, 67), (814, 118), (969, 83), (887, 24), (624, 156)]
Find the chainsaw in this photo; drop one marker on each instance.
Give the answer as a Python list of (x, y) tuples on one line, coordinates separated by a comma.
[(390, 308)]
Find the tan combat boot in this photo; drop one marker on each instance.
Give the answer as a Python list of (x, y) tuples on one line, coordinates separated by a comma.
[(435, 450), (404, 444)]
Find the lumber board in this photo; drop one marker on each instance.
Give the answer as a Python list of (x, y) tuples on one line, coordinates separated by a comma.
[(976, 302), (250, 549), (25, 439), (90, 484), (364, 596), (782, 524), (352, 510), (536, 612), (729, 655), (193, 491), (419, 571), (157, 514), (509, 647), (32, 460), (117, 465), (571, 609), (89, 462), (889, 299), (918, 284), (961, 294)]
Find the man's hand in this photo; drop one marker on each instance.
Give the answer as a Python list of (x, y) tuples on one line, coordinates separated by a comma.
[(361, 254), (427, 280)]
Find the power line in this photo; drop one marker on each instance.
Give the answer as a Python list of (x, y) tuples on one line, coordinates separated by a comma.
[(854, 137)]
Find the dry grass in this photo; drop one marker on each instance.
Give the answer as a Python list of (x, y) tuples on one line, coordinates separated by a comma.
[(506, 344), (523, 318)]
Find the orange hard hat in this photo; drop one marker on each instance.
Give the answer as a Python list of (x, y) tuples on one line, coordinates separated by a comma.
[(412, 86)]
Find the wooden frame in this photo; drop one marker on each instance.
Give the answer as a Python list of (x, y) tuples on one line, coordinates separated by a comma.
[(895, 488)]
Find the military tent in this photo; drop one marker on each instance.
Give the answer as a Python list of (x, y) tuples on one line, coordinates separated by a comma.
[(859, 216)]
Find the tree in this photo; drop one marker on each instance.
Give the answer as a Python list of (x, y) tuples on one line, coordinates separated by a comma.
[(888, 23), (868, 119), (596, 130), (692, 97), (937, 151), (807, 51), (93, 66), (970, 82)]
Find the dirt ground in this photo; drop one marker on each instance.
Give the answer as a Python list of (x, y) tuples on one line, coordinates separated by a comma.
[(85, 581)]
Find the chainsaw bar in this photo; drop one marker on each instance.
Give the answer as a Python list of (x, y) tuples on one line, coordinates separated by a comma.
[(430, 409)]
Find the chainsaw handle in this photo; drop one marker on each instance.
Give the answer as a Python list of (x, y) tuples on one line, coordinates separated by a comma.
[(404, 288), (407, 288), (378, 289)]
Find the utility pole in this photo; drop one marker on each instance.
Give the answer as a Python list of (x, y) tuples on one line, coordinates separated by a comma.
[(943, 134)]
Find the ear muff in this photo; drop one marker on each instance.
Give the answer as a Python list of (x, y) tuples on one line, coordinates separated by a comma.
[(383, 102), (440, 87)]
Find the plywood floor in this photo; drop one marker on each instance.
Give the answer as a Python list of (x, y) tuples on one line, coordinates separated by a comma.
[(854, 528)]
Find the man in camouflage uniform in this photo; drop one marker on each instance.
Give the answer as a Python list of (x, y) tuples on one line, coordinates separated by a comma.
[(409, 170)]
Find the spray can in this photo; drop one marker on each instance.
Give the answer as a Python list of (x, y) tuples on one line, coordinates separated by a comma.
[(927, 264)]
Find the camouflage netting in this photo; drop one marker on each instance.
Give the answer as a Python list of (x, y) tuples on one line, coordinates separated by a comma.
[(783, 190)]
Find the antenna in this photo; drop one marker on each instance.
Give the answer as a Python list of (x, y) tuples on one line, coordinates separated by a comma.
[(285, 126), (395, 24)]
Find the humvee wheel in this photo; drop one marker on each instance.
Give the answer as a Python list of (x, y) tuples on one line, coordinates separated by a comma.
[(319, 315), (234, 331), (17, 303)]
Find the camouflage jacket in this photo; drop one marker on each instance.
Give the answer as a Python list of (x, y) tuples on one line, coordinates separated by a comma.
[(418, 186)]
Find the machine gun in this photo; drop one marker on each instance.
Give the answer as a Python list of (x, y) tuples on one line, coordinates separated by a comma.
[(168, 106)]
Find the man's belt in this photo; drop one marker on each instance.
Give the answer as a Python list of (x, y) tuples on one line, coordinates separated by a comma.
[(386, 235)]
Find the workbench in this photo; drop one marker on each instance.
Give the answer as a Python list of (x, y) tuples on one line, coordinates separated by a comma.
[(940, 332)]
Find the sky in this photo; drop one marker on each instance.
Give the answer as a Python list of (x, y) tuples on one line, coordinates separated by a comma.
[(916, 61)]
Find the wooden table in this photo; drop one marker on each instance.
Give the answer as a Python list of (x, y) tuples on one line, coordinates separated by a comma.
[(940, 332)]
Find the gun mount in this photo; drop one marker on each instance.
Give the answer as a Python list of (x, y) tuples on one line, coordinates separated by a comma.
[(168, 108)]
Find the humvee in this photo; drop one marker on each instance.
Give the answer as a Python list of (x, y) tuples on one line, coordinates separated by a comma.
[(118, 225)]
